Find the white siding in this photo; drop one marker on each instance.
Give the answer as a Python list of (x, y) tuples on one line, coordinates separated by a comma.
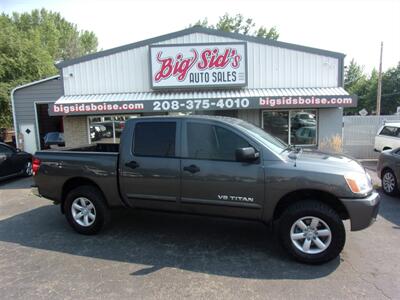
[(268, 67)]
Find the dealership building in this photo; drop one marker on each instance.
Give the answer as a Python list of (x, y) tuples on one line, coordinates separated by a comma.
[(292, 91)]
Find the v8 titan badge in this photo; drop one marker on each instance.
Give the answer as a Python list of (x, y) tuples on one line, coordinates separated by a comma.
[(235, 198)]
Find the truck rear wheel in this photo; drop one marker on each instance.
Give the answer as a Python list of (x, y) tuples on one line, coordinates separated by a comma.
[(312, 232), (85, 210)]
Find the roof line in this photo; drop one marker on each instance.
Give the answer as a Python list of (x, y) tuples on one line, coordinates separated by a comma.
[(33, 83), (200, 29)]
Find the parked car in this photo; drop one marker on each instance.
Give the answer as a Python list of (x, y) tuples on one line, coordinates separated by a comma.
[(216, 166), (97, 132), (388, 137), (54, 138), (305, 135), (14, 162), (388, 171), (105, 128), (302, 119), (118, 127)]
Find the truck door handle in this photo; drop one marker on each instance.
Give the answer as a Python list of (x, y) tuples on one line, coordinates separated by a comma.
[(132, 164), (191, 169)]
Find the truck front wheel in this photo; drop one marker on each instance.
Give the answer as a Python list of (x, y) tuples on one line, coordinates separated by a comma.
[(85, 210), (312, 232)]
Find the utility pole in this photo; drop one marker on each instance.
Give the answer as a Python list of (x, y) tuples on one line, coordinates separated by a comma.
[(379, 93)]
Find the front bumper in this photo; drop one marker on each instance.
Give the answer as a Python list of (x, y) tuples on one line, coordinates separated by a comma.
[(362, 211)]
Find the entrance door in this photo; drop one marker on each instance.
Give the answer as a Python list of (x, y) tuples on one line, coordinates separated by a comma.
[(52, 125), (29, 133), (150, 170), (213, 182)]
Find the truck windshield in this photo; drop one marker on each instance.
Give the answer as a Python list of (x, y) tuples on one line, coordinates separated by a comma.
[(273, 143)]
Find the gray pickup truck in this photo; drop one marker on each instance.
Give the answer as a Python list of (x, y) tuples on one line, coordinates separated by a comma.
[(213, 166)]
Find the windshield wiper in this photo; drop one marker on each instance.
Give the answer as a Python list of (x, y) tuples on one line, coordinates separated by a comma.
[(291, 148)]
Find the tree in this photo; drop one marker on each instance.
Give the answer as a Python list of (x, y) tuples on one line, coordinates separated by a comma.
[(390, 90), (365, 87), (30, 43), (61, 38), (239, 24), (356, 83)]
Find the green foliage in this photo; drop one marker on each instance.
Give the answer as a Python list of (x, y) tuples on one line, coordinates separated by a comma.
[(239, 24), (391, 90), (30, 43), (365, 87)]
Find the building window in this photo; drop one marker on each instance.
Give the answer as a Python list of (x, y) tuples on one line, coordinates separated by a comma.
[(107, 129), (296, 127)]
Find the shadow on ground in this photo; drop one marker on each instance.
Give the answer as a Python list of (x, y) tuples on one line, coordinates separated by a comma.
[(390, 208), (199, 244), (16, 183)]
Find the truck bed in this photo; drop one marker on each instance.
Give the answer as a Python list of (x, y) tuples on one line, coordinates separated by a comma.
[(97, 147), (97, 163)]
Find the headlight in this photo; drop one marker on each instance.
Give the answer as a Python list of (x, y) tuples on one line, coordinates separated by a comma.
[(359, 183)]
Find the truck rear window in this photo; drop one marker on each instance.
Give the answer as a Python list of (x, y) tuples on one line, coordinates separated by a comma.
[(155, 139)]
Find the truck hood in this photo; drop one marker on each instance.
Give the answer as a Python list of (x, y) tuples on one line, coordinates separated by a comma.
[(321, 161)]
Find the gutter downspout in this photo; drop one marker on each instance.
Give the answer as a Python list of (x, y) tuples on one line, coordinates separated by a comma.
[(14, 117)]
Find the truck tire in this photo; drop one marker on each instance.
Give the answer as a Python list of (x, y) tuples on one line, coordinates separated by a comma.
[(85, 210), (389, 183), (312, 232)]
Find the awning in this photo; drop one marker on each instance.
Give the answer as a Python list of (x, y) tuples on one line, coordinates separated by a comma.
[(202, 100)]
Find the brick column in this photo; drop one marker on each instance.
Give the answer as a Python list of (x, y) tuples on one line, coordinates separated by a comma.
[(75, 131)]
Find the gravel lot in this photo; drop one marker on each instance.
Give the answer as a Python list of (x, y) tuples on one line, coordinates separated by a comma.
[(153, 255)]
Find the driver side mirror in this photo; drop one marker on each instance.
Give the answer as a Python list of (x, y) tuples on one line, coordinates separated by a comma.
[(247, 154)]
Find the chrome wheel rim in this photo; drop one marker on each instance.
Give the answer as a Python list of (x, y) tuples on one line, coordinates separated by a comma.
[(83, 211), (389, 182), (310, 235), (28, 168)]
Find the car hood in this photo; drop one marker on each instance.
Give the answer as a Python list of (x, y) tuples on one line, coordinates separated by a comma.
[(322, 161)]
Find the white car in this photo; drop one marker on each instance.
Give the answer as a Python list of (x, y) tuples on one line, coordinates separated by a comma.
[(388, 137)]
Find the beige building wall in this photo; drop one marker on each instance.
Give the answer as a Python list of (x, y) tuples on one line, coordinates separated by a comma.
[(75, 131)]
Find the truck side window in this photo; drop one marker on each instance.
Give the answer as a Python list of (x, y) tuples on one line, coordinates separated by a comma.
[(155, 139), (212, 142)]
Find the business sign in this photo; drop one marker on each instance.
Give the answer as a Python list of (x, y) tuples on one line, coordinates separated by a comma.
[(182, 105), (198, 65)]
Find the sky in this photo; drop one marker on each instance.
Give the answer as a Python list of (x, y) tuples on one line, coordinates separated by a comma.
[(352, 27)]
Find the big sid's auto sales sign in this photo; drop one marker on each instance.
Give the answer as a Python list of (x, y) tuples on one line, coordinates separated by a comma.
[(198, 65)]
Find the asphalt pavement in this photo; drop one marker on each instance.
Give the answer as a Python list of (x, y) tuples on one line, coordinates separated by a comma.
[(151, 255)]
